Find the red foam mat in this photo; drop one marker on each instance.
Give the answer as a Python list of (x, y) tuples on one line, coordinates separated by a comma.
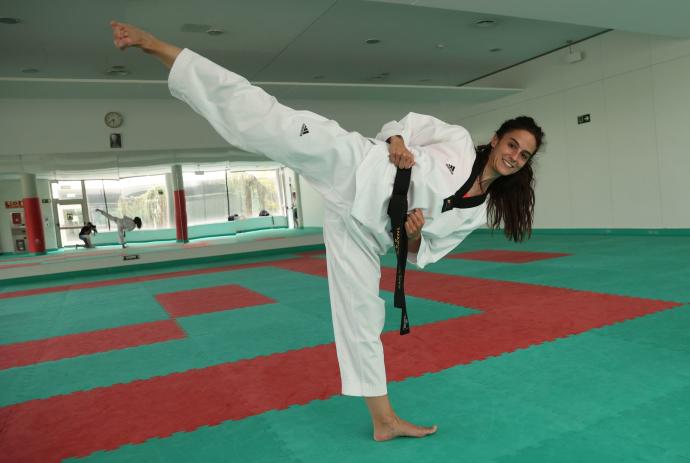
[(74, 345), (214, 299), (514, 316), (123, 281), (509, 257)]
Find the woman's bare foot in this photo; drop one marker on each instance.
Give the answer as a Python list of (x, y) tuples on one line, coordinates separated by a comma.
[(387, 425), (397, 427)]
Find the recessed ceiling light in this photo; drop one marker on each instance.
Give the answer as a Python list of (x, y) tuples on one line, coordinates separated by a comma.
[(318, 77), (215, 32), (30, 71), (441, 45), (485, 23), (494, 50), (117, 72), (117, 67), (10, 20), (372, 41), (424, 80)]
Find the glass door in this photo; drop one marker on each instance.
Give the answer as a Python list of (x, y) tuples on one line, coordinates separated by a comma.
[(70, 220), (69, 210)]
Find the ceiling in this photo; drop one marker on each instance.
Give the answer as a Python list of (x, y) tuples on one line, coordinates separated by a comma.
[(307, 48)]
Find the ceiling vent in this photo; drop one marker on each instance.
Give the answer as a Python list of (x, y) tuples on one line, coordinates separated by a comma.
[(10, 20)]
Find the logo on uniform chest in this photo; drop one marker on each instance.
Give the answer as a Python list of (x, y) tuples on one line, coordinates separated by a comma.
[(451, 168)]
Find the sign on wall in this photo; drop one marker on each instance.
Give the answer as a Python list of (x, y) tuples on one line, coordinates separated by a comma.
[(16, 204)]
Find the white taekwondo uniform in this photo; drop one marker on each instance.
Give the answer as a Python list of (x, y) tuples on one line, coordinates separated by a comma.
[(124, 224), (355, 177)]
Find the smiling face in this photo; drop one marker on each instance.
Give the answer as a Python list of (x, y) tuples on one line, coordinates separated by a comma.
[(511, 152)]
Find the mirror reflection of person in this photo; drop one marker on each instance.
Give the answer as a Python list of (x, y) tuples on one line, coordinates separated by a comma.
[(455, 189), (124, 224), (85, 234)]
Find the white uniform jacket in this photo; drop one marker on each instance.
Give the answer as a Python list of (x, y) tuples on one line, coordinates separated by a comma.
[(444, 155)]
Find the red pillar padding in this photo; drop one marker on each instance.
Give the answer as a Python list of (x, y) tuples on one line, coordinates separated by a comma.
[(181, 216), (34, 225)]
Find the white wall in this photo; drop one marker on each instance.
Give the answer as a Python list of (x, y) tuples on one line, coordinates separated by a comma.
[(628, 168), (37, 126)]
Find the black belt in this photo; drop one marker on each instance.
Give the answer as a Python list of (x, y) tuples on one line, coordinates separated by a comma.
[(397, 211)]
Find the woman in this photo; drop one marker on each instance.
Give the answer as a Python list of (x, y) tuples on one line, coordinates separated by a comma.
[(355, 175), (124, 224)]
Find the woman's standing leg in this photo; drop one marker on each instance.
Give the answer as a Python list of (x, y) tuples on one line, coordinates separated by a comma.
[(121, 232), (358, 318)]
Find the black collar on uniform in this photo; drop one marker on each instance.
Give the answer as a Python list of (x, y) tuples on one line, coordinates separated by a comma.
[(457, 201)]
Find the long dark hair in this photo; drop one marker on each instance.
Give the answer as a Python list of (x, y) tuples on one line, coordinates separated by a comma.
[(511, 197)]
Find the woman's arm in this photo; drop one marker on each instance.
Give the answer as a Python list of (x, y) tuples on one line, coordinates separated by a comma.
[(422, 130)]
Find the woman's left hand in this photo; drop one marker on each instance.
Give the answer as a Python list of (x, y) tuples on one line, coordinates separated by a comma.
[(414, 224)]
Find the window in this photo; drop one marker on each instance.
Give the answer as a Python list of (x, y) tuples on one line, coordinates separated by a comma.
[(207, 197), (213, 196), (144, 197), (66, 189), (254, 191)]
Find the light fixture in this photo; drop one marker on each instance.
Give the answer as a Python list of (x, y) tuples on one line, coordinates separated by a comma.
[(381, 76), (372, 41), (7, 20), (30, 71), (441, 45), (573, 56), (214, 32), (484, 23), (494, 50), (117, 72)]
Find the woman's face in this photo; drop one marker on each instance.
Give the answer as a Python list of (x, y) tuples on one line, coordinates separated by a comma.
[(511, 152)]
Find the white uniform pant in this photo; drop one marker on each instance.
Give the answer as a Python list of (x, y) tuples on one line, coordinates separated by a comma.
[(328, 157), (121, 232)]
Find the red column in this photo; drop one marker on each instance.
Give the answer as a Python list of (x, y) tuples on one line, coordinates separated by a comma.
[(32, 215), (180, 205)]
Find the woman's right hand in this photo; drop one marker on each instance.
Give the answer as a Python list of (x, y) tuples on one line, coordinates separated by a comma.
[(398, 153), (126, 35)]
